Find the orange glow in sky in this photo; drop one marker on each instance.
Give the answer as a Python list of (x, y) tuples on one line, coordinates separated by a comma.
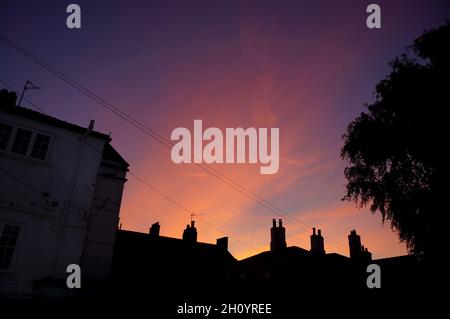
[(304, 67)]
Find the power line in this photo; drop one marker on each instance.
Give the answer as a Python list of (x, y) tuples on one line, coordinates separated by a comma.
[(162, 140), (153, 188), (25, 99), (159, 138), (185, 209), (21, 181), (43, 193), (160, 193)]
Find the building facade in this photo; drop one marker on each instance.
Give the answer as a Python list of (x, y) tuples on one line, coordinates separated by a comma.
[(60, 194)]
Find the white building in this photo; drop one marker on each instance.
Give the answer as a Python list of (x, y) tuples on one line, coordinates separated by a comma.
[(60, 193)]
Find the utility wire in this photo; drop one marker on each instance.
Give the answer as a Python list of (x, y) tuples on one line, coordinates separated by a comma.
[(185, 209), (36, 190), (153, 188), (160, 139)]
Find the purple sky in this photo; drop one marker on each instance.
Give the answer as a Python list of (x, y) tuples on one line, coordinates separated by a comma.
[(306, 67)]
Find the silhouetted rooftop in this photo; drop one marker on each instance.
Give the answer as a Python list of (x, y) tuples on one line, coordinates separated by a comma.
[(292, 253), (43, 118), (141, 258), (169, 244)]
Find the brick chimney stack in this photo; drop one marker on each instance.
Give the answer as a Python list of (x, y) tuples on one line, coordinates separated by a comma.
[(278, 236), (317, 243)]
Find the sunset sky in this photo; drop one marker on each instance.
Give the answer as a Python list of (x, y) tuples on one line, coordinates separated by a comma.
[(306, 67)]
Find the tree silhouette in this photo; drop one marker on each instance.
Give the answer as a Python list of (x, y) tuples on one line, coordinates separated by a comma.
[(397, 154)]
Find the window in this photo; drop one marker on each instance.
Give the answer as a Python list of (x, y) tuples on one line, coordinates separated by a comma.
[(5, 133), (8, 241), (24, 141), (40, 146), (21, 141)]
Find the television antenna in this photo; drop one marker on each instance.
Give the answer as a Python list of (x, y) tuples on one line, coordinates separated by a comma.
[(192, 215), (28, 86)]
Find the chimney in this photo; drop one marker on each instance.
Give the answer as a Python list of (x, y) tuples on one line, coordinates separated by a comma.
[(222, 243), (8, 98), (367, 256), (277, 236), (317, 243), (91, 125), (354, 243), (154, 230), (190, 233)]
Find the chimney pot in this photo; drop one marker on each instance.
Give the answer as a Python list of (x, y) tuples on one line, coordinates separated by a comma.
[(222, 243), (154, 230), (280, 222), (9, 98)]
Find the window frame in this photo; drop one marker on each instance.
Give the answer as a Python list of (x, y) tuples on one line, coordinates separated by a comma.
[(12, 261), (31, 144), (13, 144), (8, 142)]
